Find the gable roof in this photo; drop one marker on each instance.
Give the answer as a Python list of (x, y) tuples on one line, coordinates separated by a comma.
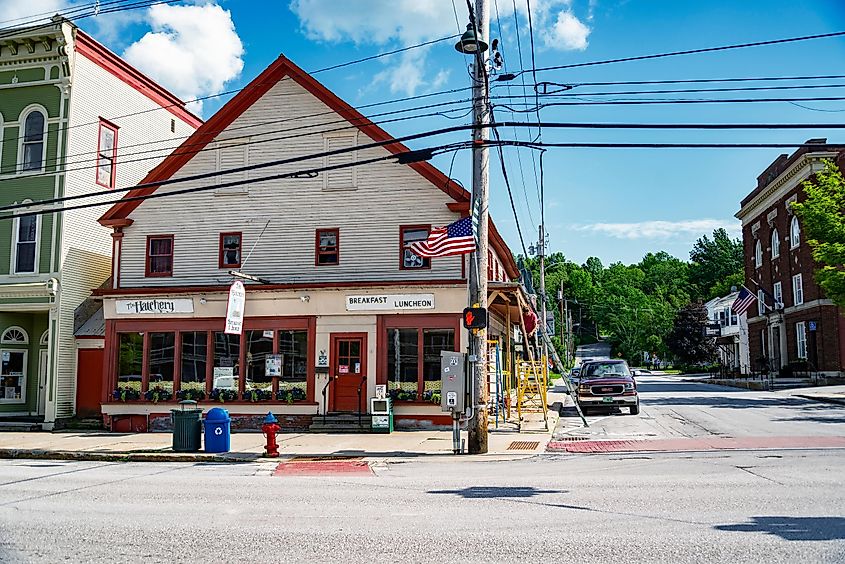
[(118, 214)]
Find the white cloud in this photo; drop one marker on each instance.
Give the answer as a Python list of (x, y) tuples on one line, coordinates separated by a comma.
[(660, 229), (568, 33), (19, 12), (408, 22), (192, 50)]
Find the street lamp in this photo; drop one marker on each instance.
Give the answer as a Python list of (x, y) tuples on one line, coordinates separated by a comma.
[(469, 43)]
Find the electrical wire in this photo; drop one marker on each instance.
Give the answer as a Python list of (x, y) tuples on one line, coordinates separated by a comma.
[(508, 184), (686, 52), (680, 101), (689, 81)]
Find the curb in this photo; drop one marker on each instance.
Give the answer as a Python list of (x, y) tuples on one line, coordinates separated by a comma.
[(822, 399), (38, 454)]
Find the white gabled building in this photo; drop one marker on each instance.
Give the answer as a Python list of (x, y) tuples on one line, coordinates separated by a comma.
[(348, 305), (733, 340)]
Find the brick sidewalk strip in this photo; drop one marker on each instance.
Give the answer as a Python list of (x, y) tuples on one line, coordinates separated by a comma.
[(697, 444), (322, 468)]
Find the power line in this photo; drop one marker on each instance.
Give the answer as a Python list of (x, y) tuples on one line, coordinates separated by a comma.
[(692, 80), (686, 52), (460, 128), (680, 101), (699, 90), (306, 173), (507, 183)]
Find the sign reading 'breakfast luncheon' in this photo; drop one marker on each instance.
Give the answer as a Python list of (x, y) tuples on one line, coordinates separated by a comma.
[(392, 302), (131, 307)]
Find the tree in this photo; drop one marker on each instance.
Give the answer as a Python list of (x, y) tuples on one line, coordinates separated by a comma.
[(687, 340), (714, 262), (823, 223)]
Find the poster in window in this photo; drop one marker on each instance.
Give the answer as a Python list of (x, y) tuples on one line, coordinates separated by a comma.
[(343, 369), (273, 366)]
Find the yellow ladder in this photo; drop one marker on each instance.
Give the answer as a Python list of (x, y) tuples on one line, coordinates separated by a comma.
[(532, 383)]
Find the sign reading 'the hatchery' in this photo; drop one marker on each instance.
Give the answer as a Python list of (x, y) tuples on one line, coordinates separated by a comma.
[(157, 305), (394, 302)]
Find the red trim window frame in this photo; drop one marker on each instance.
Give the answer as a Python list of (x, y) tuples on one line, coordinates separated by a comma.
[(103, 157), (426, 262), (319, 249), (221, 254), (147, 272)]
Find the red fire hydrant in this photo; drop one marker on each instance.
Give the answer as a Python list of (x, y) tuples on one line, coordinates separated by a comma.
[(270, 428)]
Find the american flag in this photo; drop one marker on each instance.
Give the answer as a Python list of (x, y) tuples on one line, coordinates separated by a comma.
[(454, 239), (743, 301)]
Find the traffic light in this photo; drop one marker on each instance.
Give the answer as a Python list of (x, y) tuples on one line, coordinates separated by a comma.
[(475, 318)]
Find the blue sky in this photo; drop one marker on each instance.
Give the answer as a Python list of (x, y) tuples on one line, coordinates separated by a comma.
[(616, 204)]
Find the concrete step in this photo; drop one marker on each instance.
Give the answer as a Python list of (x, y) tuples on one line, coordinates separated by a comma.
[(339, 429), (341, 423), (19, 426)]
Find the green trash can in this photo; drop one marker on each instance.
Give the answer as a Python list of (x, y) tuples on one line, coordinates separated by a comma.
[(187, 427)]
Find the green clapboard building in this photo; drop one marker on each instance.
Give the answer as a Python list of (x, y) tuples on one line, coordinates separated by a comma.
[(68, 107)]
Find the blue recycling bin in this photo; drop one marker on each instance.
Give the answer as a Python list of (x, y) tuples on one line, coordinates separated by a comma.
[(217, 430)]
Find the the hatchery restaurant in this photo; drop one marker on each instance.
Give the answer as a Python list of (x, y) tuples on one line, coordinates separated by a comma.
[(302, 352)]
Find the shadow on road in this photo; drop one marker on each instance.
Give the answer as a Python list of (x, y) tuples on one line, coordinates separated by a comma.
[(489, 492), (680, 387), (735, 402), (814, 419), (793, 528)]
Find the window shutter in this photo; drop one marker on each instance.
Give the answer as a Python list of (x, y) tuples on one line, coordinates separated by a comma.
[(344, 178), (232, 154)]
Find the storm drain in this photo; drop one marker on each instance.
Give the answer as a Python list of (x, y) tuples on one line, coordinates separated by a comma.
[(570, 439), (524, 445)]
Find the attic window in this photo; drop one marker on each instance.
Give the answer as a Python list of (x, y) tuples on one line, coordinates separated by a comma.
[(345, 178)]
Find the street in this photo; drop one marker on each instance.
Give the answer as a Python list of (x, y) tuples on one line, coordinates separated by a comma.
[(744, 506)]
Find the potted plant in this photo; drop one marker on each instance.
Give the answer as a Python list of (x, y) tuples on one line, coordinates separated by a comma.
[(398, 394), (257, 394), (291, 395), (126, 394), (432, 396), (223, 395), (191, 394), (157, 394)]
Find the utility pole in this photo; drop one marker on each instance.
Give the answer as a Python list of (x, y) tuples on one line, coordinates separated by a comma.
[(541, 250), (480, 26)]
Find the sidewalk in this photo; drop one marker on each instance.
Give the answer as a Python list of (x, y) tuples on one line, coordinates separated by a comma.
[(503, 443), (826, 394)]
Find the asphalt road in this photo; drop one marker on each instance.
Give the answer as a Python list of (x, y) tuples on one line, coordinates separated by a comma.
[(726, 506), (673, 408)]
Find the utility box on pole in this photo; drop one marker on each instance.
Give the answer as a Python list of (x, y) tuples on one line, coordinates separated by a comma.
[(453, 382)]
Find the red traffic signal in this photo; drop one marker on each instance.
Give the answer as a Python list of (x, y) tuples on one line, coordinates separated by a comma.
[(475, 318)]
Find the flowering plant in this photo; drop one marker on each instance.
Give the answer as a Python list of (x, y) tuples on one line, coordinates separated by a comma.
[(191, 394), (223, 395), (398, 394), (157, 394), (257, 394), (126, 394), (432, 396), (291, 395)]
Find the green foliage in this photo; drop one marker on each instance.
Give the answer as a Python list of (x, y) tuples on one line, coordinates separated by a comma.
[(823, 225), (687, 340), (713, 263)]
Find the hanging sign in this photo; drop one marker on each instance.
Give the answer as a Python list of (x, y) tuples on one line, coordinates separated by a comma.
[(235, 308)]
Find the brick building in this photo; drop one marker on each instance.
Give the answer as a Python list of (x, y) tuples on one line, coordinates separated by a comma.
[(793, 324)]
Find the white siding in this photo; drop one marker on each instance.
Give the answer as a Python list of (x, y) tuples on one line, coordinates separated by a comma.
[(85, 246), (384, 196)]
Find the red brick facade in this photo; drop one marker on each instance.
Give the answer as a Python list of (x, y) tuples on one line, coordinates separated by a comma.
[(764, 210)]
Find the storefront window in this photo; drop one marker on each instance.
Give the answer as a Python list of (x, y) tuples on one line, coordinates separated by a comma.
[(227, 350), (13, 376), (194, 360), (130, 360), (403, 363), (259, 345), (162, 358), (434, 341), (293, 347)]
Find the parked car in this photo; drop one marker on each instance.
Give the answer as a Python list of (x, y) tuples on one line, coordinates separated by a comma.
[(607, 384)]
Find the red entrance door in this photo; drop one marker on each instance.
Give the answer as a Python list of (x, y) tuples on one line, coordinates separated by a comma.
[(349, 369)]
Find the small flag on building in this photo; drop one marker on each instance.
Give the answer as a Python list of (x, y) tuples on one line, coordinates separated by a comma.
[(743, 301), (454, 239)]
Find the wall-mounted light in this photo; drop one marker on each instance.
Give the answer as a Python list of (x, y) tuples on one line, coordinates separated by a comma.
[(306, 298), (202, 301)]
